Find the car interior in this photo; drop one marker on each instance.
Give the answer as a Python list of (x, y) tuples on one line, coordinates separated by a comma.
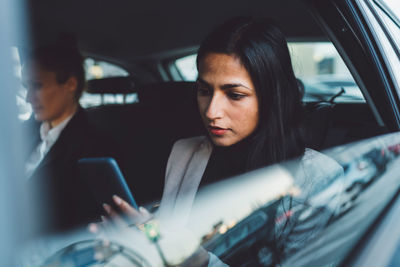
[(145, 38), (141, 94)]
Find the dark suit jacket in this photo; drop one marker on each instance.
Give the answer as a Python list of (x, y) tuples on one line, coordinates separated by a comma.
[(63, 199)]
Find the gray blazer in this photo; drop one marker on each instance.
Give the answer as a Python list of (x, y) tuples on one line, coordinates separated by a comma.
[(187, 163)]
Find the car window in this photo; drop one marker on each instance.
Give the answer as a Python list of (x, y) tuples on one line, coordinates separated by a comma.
[(94, 69), (316, 64), (187, 67), (391, 16), (394, 6), (24, 108), (386, 26), (312, 220), (97, 69), (269, 217), (282, 215)]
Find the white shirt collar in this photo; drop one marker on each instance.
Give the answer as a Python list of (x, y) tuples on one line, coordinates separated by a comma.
[(51, 135)]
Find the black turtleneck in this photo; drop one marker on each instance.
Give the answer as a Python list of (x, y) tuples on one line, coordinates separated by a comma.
[(226, 162)]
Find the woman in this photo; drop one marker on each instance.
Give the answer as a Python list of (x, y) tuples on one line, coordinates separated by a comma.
[(249, 101), (54, 78)]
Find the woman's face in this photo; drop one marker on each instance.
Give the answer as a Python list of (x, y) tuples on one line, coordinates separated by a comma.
[(227, 99), (51, 101)]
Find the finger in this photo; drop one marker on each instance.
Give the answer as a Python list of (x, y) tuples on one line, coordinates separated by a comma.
[(98, 229), (102, 231), (110, 211), (145, 215), (125, 207), (104, 221), (116, 219), (144, 211), (93, 228), (108, 227)]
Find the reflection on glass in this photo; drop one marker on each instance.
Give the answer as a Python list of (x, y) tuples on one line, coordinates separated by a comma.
[(24, 108), (96, 253), (309, 212), (393, 30), (394, 5), (308, 220)]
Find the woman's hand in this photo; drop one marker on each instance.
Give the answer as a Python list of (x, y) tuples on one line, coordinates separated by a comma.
[(130, 214), (199, 258), (113, 221)]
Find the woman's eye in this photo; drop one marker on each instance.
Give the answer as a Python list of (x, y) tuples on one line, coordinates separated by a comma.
[(32, 85), (203, 91), (36, 86), (235, 96)]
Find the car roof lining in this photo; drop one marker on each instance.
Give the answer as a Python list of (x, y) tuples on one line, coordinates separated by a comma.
[(136, 29)]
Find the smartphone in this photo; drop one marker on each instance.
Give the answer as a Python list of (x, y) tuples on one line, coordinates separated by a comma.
[(105, 180)]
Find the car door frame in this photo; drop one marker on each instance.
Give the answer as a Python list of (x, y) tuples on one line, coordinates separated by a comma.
[(345, 25)]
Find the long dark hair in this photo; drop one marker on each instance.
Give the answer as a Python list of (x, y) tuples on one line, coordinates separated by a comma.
[(262, 49)]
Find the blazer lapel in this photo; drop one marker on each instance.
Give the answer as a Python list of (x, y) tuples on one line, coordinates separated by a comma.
[(66, 143), (53, 154), (191, 179), (31, 130)]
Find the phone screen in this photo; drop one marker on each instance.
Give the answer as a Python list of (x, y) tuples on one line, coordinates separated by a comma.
[(105, 179)]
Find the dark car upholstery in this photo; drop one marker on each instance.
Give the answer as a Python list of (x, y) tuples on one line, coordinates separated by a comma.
[(331, 124), (145, 132), (112, 85)]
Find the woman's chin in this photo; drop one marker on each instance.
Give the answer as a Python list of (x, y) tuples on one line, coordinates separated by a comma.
[(222, 141), (40, 117)]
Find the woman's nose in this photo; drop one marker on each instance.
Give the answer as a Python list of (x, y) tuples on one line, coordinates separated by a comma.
[(215, 108), (29, 95)]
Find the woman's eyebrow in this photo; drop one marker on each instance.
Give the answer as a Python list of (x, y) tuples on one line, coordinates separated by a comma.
[(233, 85), (200, 80), (225, 86)]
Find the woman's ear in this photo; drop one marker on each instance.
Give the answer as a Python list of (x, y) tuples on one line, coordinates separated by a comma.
[(72, 84)]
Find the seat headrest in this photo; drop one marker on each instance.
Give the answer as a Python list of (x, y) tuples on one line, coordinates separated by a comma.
[(317, 121), (168, 94), (113, 85)]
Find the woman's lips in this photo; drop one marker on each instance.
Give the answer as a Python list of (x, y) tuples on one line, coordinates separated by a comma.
[(217, 130)]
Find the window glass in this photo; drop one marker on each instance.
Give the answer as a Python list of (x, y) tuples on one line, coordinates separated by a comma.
[(388, 48), (394, 32), (323, 72), (389, 12), (24, 108), (394, 5), (187, 67), (94, 69), (316, 64), (282, 215), (393, 29)]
